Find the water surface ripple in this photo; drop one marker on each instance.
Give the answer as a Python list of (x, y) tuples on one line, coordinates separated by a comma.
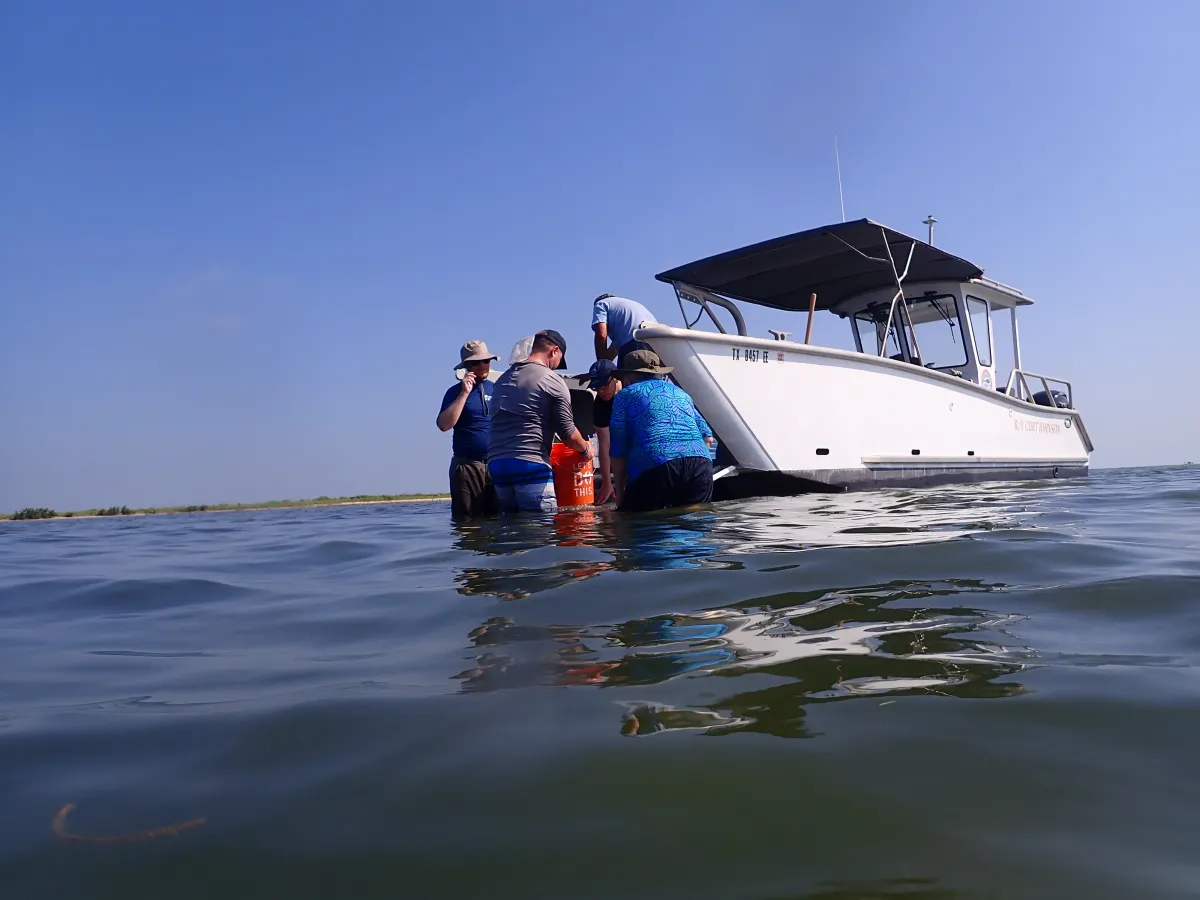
[(960, 692)]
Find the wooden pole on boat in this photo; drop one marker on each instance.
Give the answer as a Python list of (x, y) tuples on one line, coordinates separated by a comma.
[(812, 308)]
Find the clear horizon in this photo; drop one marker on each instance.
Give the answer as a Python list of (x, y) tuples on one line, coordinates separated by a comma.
[(241, 247)]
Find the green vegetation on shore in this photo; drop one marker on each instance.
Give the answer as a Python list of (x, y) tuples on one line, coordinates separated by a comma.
[(359, 499), (34, 512)]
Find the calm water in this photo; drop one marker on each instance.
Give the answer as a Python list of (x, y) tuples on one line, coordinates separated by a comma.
[(980, 692)]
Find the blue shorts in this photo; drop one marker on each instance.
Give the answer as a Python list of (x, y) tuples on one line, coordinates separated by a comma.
[(523, 486)]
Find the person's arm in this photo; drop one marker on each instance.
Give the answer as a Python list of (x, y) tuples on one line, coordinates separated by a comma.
[(618, 444), (600, 327), (580, 444), (604, 438), (618, 470), (706, 431), (603, 351), (448, 417)]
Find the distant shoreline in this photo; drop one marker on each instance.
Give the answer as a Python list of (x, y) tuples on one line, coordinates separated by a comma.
[(42, 515)]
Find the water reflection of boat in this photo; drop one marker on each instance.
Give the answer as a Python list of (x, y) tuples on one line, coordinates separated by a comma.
[(882, 640), (644, 719), (713, 538), (837, 645), (876, 519), (838, 625), (616, 543), (519, 583)]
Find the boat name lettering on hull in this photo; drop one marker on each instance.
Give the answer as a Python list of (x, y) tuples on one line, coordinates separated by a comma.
[(1036, 427)]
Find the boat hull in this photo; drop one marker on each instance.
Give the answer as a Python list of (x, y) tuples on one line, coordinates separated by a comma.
[(837, 419)]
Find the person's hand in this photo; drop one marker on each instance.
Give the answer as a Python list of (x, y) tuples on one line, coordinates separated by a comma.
[(587, 450), (468, 382), (604, 494)]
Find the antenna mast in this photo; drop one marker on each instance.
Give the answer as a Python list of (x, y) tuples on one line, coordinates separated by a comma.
[(837, 157), (931, 221)]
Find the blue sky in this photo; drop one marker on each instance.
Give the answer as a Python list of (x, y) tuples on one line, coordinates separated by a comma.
[(240, 244)]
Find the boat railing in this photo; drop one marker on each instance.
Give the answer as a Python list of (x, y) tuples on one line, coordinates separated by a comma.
[(706, 300), (1018, 386)]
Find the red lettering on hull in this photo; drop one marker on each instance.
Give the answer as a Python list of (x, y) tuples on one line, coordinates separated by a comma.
[(1033, 426)]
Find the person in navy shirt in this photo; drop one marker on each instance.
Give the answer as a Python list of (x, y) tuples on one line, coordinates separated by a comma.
[(467, 408)]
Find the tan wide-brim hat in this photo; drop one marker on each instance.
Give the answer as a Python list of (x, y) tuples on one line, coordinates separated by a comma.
[(474, 351), (643, 362)]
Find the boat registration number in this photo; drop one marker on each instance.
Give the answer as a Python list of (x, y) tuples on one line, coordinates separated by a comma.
[(747, 355)]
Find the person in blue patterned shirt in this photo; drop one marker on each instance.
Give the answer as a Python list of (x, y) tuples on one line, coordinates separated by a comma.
[(659, 442)]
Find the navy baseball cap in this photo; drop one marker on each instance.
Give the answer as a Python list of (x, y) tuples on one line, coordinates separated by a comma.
[(555, 338), (599, 374)]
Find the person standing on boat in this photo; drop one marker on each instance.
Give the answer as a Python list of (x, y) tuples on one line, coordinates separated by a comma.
[(467, 408), (600, 379), (659, 441), (532, 404), (614, 320)]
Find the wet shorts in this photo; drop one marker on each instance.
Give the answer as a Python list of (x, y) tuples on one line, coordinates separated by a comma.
[(677, 482), (523, 486), (471, 490)]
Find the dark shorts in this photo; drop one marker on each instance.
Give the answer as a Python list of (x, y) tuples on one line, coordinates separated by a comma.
[(471, 489), (677, 482), (628, 347)]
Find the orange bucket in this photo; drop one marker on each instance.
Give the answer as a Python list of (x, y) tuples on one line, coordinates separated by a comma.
[(572, 477)]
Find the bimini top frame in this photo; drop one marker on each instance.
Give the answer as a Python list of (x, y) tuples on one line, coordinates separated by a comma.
[(835, 262), (825, 268)]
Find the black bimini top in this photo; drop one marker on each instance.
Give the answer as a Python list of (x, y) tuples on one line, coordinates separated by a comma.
[(783, 272)]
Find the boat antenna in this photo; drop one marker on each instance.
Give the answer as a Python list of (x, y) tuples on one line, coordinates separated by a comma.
[(931, 221), (838, 159)]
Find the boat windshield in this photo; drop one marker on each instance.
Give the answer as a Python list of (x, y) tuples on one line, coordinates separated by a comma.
[(934, 319), (869, 325), (939, 334)]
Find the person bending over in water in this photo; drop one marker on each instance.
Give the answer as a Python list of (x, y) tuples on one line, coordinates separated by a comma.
[(659, 442), (601, 380), (532, 404)]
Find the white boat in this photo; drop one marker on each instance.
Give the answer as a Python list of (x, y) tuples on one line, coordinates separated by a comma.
[(792, 416)]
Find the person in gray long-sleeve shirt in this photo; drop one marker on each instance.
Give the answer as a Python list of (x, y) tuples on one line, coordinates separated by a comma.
[(530, 405)]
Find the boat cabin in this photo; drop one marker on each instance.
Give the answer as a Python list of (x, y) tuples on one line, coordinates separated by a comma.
[(947, 326), (904, 299)]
